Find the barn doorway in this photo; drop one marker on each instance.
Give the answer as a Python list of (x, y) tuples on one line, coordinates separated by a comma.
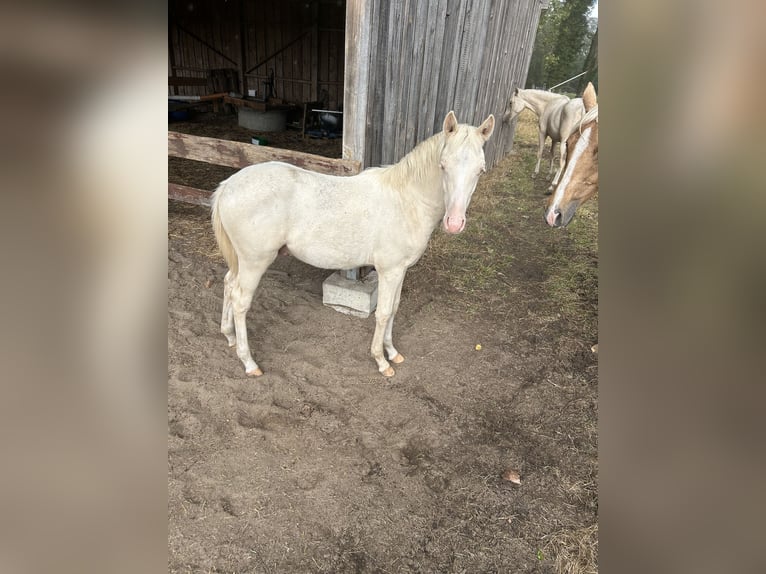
[(266, 72)]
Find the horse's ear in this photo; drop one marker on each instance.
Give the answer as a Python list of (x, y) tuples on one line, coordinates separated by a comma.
[(589, 97), (487, 127), (450, 123)]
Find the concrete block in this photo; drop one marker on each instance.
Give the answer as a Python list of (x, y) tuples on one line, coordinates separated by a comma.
[(352, 297)]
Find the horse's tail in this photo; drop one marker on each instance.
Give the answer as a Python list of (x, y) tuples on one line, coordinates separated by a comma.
[(224, 243)]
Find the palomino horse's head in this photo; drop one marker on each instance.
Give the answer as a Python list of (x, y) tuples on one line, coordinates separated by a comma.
[(579, 180), (461, 162), (515, 106)]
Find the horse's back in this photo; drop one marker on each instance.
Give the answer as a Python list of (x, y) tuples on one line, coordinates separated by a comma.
[(324, 220)]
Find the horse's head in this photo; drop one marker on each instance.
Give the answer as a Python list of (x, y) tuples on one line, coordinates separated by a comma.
[(461, 162), (579, 180), (515, 106)]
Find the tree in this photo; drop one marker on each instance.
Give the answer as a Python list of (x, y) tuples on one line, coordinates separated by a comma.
[(563, 43), (590, 66)]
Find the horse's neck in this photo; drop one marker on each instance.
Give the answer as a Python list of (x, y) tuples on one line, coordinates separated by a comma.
[(418, 178), (538, 100)]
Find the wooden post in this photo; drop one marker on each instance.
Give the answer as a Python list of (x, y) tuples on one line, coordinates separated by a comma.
[(355, 88), (356, 78), (172, 56), (242, 49), (315, 51)]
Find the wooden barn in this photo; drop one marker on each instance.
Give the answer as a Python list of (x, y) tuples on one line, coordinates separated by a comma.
[(394, 68)]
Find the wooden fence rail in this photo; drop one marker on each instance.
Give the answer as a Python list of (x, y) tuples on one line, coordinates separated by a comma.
[(239, 155)]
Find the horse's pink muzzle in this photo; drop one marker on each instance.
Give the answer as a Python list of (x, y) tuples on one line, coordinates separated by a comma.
[(453, 224)]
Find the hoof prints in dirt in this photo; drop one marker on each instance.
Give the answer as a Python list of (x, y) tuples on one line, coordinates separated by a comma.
[(322, 465)]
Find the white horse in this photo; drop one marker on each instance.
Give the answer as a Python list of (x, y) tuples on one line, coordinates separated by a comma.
[(382, 216), (558, 116)]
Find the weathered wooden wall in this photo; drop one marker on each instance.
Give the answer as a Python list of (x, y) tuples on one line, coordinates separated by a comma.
[(307, 37), (427, 58)]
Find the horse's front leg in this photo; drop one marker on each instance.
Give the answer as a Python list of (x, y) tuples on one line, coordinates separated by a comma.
[(388, 338), (389, 282)]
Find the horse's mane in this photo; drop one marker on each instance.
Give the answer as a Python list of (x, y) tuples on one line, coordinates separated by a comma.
[(590, 116), (415, 165)]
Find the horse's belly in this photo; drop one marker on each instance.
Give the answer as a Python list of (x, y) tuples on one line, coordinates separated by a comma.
[(329, 257)]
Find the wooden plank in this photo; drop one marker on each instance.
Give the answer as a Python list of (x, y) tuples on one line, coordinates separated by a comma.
[(429, 121), (393, 82), (260, 106), (377, 90), (189, 194), (240, 154), (186, 81)]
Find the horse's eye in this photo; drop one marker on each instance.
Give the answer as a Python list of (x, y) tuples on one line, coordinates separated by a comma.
[(441, 165)]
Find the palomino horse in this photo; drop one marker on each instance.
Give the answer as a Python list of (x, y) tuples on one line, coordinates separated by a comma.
[(557, 116), (579, 181), (382, 216)]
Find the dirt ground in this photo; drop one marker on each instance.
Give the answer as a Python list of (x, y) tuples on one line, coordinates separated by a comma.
[(323, 465)]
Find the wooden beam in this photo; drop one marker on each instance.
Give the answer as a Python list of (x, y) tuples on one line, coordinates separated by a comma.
[(240, 154), (242, 49), (252, 104), (356, 78), (314, 95), (171, 50), (204, 43), (277, 53), (189, 194), (186, 81)]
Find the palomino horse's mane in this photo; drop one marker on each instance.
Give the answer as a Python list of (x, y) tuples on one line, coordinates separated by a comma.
[(590, 116)]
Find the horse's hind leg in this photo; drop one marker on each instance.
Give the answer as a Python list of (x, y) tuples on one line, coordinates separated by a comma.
[(562, 161), (541, 146), (553, 156), (227, 316), (242, 291)]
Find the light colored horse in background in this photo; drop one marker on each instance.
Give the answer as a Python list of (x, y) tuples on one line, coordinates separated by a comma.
[(557, 117), (382, 216), (579, 181)]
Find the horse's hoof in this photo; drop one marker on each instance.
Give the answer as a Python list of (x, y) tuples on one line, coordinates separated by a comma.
[(399, 358), (389, 372), (256, 373)]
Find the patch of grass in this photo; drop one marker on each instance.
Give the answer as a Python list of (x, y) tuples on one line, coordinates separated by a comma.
[(574, 551)]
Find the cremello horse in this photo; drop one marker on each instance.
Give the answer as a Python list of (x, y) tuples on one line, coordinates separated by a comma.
[(382, 216), (579, 181), (557, 117)]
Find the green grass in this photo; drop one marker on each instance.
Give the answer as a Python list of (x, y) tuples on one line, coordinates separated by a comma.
[(507, 254)]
